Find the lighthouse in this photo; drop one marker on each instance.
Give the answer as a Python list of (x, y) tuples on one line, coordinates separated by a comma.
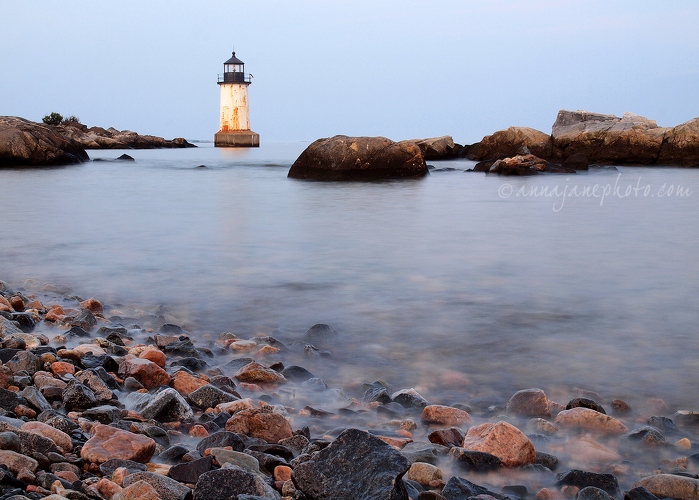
[(235, 113)]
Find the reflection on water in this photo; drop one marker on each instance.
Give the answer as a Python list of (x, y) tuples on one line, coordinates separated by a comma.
[(443, 284)]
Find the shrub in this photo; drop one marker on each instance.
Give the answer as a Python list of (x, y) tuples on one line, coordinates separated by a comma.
[(52, 119), (71, 119)]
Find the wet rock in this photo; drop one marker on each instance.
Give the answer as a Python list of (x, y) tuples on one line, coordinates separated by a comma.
[(542, 426), (447, 437), (504, 441), (620, 407), (529, 403), (109, 442), (104, 361), (647, 436), (476, 461), (35, 399), (296, 373), (639, 493), (146, 372), (8, 399), (444, 415), (686, 419), (224, 484), (670, 486), (243, 460), (460, 489), (295, 443), (547, 460), (256, 373), (260, 423), (221, 439), (77, 397), (140, 490), (167, 488), (191, 363), (10, 441), (166, 406), (376, 392), (592, 493), (582, 479), (33, 444), (664, 424), (209, 396), (104, 414), (61, 439), (189, 472), (409, 398), (85, 320), (266, 462), (183, 347), (25, 361), (186, 383), (576, 161), (91, 379), (589, 420), (424, 473), (15, 462), (107, 468), (355, 465), (154, 355), (585, 403), (320, 335)]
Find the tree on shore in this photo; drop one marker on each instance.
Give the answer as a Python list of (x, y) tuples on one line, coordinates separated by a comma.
[(52, 119)]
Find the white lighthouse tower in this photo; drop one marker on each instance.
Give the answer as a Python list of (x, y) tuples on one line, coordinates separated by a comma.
[(235, 113)]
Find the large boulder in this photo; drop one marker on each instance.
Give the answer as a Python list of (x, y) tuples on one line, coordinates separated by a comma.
[(357, 465), (607, 138), (681, 145), (511, 142), (343, 158), (23, 142), (111, 138), (437, 148)]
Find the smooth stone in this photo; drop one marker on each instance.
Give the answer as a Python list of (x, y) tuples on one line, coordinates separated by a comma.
[(10, 441), (15, 462), (444, 415), (140, 490), (529, 403), (424, 473), (504, 441), (209, 396), (461, 489), (592, 493), (639, 493), (242, 460), (296, 373), (670, 486), (61, 439), (447, 437), (221, 439), (109, 442), (256, 373), (260, 423), (107, 468), (581, 479), (189, 472), (589, 420), (585, 403), (477, 461), (409, 398)]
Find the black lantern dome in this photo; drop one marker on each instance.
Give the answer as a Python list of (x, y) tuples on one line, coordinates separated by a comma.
[(233, 71)]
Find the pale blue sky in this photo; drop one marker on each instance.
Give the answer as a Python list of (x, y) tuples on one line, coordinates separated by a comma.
[(398, 68)]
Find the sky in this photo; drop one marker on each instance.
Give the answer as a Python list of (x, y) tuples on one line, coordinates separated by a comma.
[(401, 69)]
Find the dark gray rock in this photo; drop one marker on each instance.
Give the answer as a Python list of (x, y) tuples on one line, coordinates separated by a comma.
[(376, 393), (191, 363), (581, 479), (189, 472), (639, 493), (227, 483), (107, 468), (648, 436), (592, 493), (104, 414), (356, 465), (166, 406), (460, 489), (34, 443), (10, 441), (409, 398), (103, 361), (547, 460), (6, 354), (576, 161), (320, 335), (296, 373), (94, 381), (221, 439), (167, 488), (174, 453), (78, 397), (56, 419), (447, 437), (475, 461), (85, 320), (25, 361), (585, 403), (664, 424), (8, 399), (208, 396), (35, 399)]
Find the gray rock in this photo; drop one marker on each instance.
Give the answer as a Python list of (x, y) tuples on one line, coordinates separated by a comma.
[(592, 493), (167, 488), (107, 468), (23, 142), (167, 406), (208, 396), (36, 399), (104, 414), (356, 465), (25, 361), (476, 461), (409, 398), (85, 320), (460, 489), (189, 472), (221, 439), (10, 441), (581, 479), (227, 483), (8, 399), (77, 396), (237, 458), (94, 381)]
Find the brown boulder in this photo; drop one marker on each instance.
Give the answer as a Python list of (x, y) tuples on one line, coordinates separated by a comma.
[(510, 142), (436, 148), (256, 373), (23, 142), (15, 462), (343, 158), (529, 403), (260, 423), (185, 384), (671, 486), (109, 442), (589, 420), (681, 145), (444, 415), (59, 437), (146, 372), (607, 138), (504, 441)]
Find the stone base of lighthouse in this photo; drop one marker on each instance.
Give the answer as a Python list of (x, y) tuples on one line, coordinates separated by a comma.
[(237, 139)]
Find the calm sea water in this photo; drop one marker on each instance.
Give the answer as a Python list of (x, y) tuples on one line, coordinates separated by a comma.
[(459, 284)]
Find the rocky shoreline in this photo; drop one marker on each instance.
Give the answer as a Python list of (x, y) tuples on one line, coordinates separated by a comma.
[(27, 143), (102, 402)]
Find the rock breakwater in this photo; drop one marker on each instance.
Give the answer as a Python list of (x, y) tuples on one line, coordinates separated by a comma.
[(101, 402)]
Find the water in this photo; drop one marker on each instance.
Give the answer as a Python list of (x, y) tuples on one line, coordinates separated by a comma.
[(445, 283)]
